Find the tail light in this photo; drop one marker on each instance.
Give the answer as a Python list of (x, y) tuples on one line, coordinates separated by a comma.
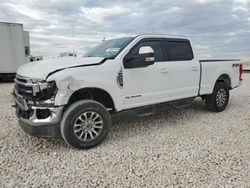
[(241, 71)]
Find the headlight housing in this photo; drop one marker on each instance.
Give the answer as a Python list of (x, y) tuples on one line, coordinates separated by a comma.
[(45, 90)]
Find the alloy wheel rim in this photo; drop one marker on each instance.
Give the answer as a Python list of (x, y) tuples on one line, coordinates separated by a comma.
[(88, 126), (221, 97)]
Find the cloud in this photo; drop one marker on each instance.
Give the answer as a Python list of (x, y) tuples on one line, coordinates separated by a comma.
[(207, 1), (26, 11), (218, 28), (241, 6), (98, 14)]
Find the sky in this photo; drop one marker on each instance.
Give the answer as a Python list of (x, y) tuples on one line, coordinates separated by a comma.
[(217, 28)]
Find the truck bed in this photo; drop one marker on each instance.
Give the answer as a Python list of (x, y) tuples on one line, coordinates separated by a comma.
[(212, 69)]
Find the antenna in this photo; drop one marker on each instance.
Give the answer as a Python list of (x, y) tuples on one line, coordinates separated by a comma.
[(73, 44)]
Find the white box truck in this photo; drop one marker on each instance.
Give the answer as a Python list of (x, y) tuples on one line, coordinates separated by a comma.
[(14, 48)]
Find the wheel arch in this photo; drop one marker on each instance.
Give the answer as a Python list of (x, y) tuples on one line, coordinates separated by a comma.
[(226, 79), (93, 93)]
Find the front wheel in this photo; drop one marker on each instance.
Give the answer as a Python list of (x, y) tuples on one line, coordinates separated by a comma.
[(85, 124), (218, 100)]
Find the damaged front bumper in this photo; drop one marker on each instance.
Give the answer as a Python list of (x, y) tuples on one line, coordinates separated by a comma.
[(40, 121), (35, 106)]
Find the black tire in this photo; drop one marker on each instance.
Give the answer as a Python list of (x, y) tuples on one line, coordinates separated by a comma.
[(212, 101), (78, 112)]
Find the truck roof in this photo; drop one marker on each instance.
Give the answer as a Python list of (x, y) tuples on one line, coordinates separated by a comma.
[(162, 36)]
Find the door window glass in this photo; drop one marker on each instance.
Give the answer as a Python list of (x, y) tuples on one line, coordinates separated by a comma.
[(155, 45)]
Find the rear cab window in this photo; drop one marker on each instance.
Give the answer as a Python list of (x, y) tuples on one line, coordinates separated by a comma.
[(178, 50)]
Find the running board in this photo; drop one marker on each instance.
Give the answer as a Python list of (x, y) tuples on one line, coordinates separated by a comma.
[(181, 103), (152, 109), (145, 111)]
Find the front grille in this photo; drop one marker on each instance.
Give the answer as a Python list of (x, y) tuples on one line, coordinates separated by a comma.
[(21, 79), (23, 90), (20, 102), (23, 87)]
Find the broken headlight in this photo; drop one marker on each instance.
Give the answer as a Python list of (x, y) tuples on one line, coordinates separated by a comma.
[(46, 90)]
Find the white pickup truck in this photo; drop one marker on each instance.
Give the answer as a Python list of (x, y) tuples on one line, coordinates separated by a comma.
[(75, 96)]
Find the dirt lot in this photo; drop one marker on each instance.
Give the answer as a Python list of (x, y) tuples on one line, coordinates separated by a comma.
[(176, 147)]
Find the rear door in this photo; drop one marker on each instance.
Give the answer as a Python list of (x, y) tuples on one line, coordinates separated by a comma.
[(184, 70)]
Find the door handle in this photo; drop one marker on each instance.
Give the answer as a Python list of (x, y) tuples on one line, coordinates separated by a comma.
[(164, 70), (195, 68)]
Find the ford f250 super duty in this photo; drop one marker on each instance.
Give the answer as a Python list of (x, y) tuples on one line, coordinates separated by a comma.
[(75, 96)]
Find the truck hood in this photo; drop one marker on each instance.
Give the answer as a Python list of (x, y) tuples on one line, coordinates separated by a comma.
[(42, 69)]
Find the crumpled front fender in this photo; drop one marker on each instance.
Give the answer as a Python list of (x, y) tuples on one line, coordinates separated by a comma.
[(66, 87)]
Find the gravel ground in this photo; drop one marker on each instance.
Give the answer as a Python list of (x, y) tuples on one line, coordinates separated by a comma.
[(187, 147)]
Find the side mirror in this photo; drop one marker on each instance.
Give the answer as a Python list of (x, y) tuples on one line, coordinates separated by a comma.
[(145, 50), (143, 59)]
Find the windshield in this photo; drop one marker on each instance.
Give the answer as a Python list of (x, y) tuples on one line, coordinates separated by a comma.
[(110, 48)]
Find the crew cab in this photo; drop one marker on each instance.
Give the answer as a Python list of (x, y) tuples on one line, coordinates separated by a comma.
[(75, 96)]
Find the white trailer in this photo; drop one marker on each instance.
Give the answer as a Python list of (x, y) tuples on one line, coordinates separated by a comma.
[(14, 48)]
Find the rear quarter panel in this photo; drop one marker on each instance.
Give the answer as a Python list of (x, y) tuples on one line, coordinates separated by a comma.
[(211, 71)]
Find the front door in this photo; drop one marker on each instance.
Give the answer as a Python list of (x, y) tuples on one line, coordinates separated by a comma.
[(147, 85)]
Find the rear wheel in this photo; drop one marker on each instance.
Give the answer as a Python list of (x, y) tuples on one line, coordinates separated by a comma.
[(85, 124), (218, 100)]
